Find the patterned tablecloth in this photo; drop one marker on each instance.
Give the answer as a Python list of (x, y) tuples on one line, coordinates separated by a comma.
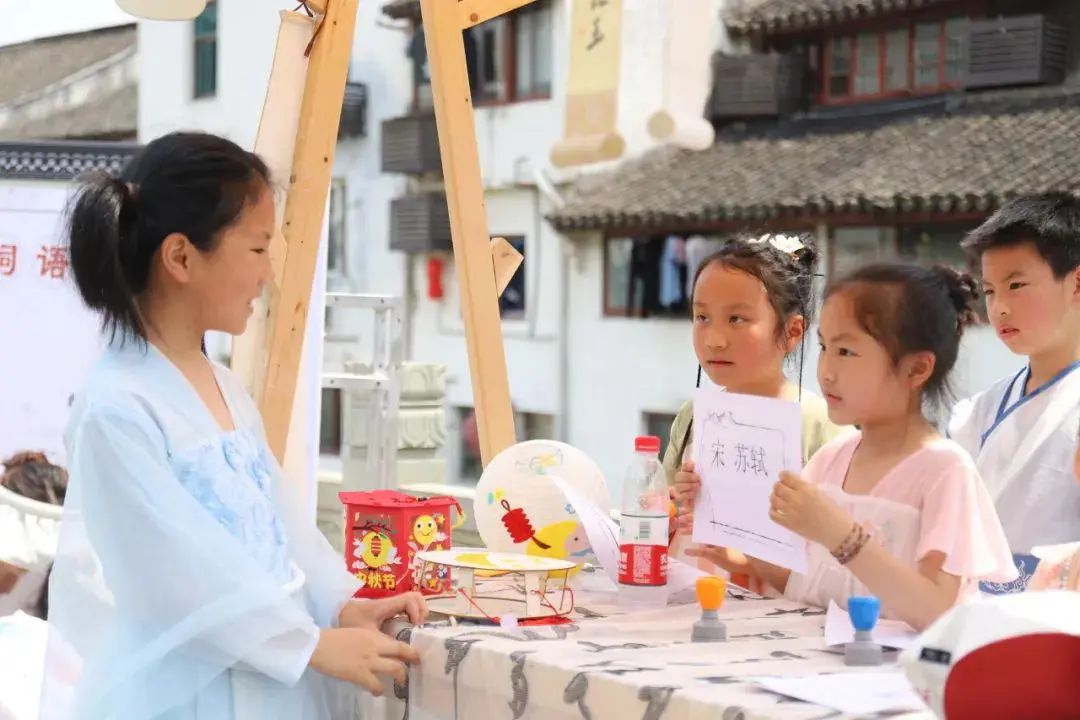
[(612, 666)]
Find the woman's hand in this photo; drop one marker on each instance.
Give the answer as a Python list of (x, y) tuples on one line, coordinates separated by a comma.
[(802, 508), (371, 614), (687, 488), (360, 655)]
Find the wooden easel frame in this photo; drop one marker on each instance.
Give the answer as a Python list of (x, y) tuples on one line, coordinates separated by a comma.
[(305, 204), (484, 266), (444, 22)]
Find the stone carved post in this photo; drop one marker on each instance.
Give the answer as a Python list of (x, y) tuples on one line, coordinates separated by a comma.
[(421, 436)]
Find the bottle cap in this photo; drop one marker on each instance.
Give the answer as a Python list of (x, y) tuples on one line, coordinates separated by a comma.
[(647, 443)]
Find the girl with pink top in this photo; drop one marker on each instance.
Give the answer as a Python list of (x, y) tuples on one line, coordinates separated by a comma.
[(893, 510)]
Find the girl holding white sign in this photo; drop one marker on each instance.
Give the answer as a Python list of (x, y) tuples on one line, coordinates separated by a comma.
[(188, 579), (893, 510), (751, 302), (751, 307)]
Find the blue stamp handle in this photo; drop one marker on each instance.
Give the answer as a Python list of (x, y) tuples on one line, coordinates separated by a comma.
[(864, 612)]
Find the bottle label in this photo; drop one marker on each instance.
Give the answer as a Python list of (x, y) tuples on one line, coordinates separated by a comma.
[(643, 550)]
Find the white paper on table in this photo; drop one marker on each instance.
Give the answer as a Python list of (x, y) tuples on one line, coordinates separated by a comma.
[(887, 633), (601, 530), (1055, 553), (603, 534), (741, 443), (862, 693)]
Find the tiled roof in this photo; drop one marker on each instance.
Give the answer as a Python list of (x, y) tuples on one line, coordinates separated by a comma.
[(784, 15), (103, 117), (62, 160), (41, 106), (966, 159), (28, 67)]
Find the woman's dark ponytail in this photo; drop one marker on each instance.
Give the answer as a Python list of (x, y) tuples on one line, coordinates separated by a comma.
[(100, 231)]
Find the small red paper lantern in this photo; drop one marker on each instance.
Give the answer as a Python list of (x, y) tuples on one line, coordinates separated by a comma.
[(434, 278)]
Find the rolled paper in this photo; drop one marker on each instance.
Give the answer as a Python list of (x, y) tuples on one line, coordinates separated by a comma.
[(586, 149), (687, 78), (692, 132), (592, 86)]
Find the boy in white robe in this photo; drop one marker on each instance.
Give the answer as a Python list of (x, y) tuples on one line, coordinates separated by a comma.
[(1022, 431)]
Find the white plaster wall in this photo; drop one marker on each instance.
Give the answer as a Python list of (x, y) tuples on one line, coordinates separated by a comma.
[(531, 343)]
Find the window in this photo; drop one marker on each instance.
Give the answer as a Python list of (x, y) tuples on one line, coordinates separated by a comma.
[(927, 245), (510, 58), (470, 464), (330, 425), (933, 245), (927, 54), (533, 38), (487, 74), (649, 276), (896, 60), (868, 64), (853, 247), (335, 252), (659, 424), (923, 57), (206, 51), (529, 426), (535, 426), (956, 36), (512, 301), (417, 52), (839, 67), (617, 252)]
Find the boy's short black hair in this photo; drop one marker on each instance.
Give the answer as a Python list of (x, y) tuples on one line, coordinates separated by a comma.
[(1049, 221)]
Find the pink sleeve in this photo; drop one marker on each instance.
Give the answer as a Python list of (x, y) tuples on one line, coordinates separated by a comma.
[(959, 520)]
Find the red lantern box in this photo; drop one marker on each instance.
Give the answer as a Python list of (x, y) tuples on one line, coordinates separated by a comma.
[(384, 529)]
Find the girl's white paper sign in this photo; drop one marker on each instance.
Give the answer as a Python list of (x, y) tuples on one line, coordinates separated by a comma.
[(741, 444)]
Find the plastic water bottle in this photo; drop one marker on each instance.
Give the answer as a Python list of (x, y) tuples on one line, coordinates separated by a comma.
[(643, 530)]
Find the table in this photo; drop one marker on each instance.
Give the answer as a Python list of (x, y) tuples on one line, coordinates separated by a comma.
[(611, 666)]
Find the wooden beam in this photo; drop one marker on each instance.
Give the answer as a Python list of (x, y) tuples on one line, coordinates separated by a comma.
[(468, 225), (474, 12), (506, 259), (275, 143), (305, 204)]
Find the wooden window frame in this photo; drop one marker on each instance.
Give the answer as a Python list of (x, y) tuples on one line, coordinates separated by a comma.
[(881, 29), (198, 40), (629, 311), (509, 52), (609, 310)]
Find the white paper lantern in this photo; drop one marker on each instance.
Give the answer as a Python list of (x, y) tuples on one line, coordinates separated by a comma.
[(519, 509)]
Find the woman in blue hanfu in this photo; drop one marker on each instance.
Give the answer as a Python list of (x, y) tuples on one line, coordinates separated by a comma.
[(189, 582)]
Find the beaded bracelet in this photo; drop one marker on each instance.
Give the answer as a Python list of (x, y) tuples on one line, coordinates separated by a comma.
[(1066, 571), (852, 545)]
